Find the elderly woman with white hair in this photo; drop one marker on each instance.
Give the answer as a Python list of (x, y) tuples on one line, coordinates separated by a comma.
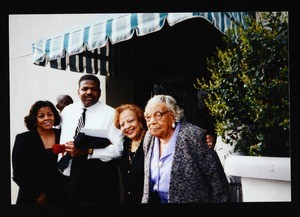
[(179, 166)]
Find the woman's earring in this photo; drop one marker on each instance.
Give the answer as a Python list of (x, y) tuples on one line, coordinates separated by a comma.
[(173, 125)]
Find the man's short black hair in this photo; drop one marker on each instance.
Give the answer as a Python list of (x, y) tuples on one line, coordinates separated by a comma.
[(89, 77)]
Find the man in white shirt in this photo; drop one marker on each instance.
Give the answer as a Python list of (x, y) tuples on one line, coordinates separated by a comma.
[(94, 176)]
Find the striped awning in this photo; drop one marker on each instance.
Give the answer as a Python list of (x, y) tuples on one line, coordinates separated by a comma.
[(87, 48)]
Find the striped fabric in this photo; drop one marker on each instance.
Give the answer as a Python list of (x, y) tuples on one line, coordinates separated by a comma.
[(81, 123), (87, 48)]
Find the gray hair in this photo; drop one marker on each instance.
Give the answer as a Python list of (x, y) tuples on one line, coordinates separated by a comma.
[(171, 104)]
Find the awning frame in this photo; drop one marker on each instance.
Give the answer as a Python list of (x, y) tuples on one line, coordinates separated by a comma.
[(78, 47)]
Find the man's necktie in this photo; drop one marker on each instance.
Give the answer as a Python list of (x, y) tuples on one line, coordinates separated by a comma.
[(81, 123), (64, 161)]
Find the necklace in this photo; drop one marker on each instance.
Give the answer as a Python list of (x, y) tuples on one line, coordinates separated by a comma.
[(131, 155)]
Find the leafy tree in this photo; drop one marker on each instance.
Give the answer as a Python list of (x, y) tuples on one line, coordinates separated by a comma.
[(248, 91)]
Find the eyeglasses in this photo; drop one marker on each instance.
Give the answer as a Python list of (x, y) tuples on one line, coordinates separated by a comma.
[(157, 116)]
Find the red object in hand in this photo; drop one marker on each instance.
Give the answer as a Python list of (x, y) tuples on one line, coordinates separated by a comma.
[(58, 148)]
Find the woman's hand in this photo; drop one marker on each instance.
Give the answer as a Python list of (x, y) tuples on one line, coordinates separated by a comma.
[(210, 141), (42, 199)]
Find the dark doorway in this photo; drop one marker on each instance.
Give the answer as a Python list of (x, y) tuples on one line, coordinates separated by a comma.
[(169, 62)]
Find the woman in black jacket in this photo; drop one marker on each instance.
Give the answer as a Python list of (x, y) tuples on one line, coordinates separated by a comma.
[(34, 163), (130, 120)]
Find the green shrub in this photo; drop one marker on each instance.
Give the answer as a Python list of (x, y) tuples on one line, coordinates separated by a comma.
[(248, 91)]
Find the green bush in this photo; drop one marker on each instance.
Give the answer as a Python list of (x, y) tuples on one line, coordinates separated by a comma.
[(248, 91)]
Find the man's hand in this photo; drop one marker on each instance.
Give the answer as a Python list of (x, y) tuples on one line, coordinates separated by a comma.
[(74, 152)]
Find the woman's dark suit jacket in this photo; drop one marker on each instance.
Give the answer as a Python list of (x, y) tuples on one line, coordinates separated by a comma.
[(35, 169), (132, 174), (197, 175)]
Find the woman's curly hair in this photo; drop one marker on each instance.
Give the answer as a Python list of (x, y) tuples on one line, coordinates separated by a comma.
[(31, 119)]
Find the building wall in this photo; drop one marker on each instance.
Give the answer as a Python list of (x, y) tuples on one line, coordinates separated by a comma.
[(28, 82)]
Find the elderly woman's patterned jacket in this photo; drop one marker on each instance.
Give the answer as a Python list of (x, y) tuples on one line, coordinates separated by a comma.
[(197, 175)]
